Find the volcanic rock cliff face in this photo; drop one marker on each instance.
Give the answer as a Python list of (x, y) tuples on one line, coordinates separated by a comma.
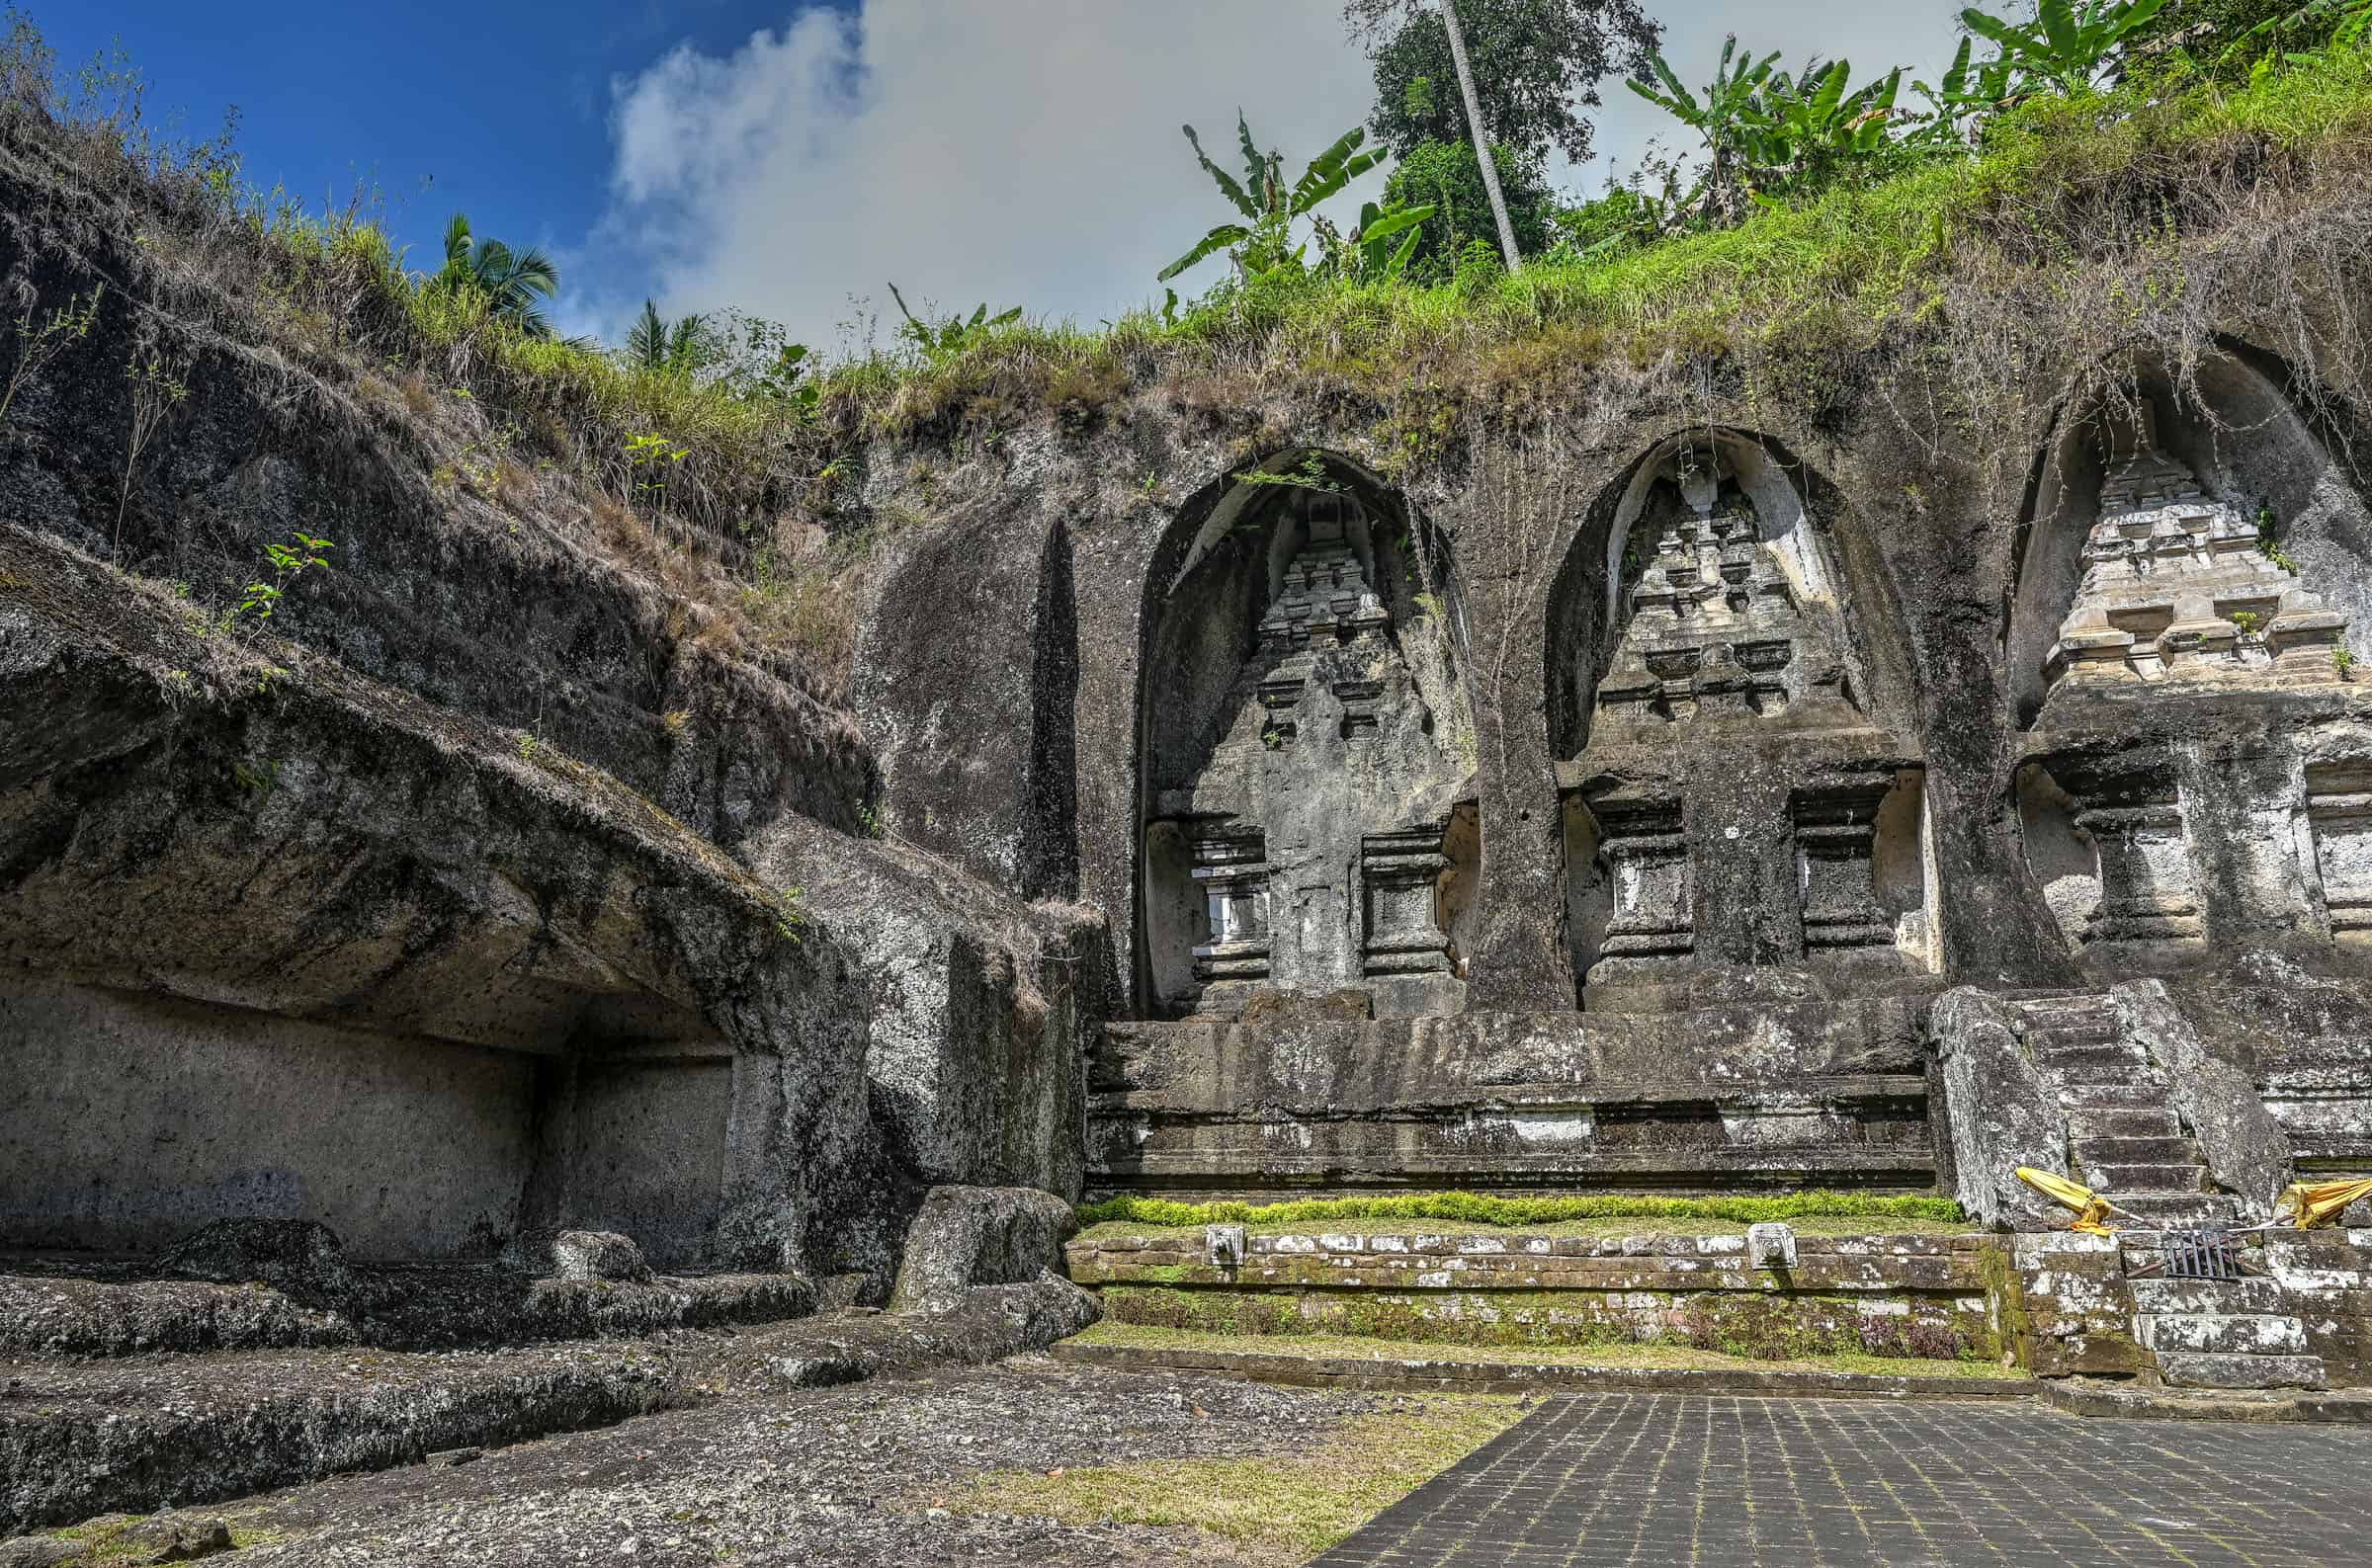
[(1556, 771), (504, 880)]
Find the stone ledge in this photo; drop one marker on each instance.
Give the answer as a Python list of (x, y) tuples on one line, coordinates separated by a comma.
[(2084, 1396), (1466, 1377), (124, 1436)]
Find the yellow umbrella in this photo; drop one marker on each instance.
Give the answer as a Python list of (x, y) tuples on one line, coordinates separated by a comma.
[(2318, 1203), (2091, 1209)]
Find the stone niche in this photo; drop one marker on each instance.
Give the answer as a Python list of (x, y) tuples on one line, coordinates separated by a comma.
[(1730, 809), (2188, 544), (1309, 821), (2108, 847)]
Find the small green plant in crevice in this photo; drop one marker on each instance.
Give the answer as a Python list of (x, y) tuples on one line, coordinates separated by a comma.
[(869, 822), (790, 916), (2342, 659), (2249, 620), (1308, 474), (40, 341), (288, 561), (258, 779), (1272, 737), (156, 390), (529, 746), (2268, 544)]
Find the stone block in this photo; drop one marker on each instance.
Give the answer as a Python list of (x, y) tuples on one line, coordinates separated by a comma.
[(297, 1255), (2241, 1371), (576, 1255), (969, 1236)]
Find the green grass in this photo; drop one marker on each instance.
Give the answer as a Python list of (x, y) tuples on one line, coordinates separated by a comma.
[(1635, 1357), (1493, 1210), (1267, 1508), (1103, 1230)]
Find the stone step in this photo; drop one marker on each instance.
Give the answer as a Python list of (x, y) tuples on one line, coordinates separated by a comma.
[(2210, 1334), (2054, 1037), (2186, 1370), (2122, 1121), (2110, 1065), (2114, 1096), (2176, 1208), (2115, 1180), (2210, 1297), (2052, 1012), (2096, 1150)]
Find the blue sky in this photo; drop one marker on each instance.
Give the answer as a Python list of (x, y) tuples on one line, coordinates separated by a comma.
[(793, 157), (500, 108)]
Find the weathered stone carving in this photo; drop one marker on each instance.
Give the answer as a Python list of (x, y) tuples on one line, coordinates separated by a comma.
[(1716, 631), (1318, 830), (1837, 864), (2338, 814), (2175, 588), (2149, 890), (1645, 855)]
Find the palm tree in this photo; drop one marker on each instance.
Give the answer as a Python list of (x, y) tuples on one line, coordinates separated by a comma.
[(1474, 125), (515, 283), (653, 345)]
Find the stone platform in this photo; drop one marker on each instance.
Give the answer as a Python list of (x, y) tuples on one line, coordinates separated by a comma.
[(1803, 1094)]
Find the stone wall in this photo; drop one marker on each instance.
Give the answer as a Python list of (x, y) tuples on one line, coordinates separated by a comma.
[(1878, 1294)]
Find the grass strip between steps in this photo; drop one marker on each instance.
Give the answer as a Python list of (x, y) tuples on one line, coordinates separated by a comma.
[(1482, 1208)]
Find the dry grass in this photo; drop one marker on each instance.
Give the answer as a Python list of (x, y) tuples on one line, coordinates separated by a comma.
[(1268, 1508)]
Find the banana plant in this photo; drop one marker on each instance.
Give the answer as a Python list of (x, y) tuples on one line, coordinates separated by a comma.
[(1727, 118), (2343, 24), (2066, 44), (1813, 124), (1378, 259), (944, 340), (1270, 206), (1962, 94)]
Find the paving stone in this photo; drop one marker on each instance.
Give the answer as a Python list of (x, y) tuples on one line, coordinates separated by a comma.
[(1678, 1481)]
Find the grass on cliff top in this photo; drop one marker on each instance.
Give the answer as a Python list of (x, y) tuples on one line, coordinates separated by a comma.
[(1481, 1211), (2058, 179), (1268, 1508), (1629, 1357)]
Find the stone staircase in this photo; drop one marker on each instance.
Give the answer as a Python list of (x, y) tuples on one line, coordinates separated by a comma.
[(2223, 1334), (2125, 1141)]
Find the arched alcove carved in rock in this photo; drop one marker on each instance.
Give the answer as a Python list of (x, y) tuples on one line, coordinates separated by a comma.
[(1733, 812), (1305, 750), (2194, 582)]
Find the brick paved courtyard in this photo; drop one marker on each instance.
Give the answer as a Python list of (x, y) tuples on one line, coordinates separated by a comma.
[(1675, 1481)]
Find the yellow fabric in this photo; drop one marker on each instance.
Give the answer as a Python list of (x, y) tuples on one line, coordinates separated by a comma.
[(2091, 1209), (2319, 1203)]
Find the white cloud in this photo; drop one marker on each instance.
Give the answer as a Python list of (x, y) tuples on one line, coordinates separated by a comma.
[(1022, 152), (1027, 151)]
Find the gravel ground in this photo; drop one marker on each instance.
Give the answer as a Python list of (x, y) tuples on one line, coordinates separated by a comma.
[(851, 1477)]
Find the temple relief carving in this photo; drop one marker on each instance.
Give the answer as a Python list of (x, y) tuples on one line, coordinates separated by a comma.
[(1319, 813), (2175, 587)]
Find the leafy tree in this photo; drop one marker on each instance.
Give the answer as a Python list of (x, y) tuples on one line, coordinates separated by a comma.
[(515, 283), (1268, 205), (2068, 46), (1446, 175), (1536, 65), (682, 348)]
